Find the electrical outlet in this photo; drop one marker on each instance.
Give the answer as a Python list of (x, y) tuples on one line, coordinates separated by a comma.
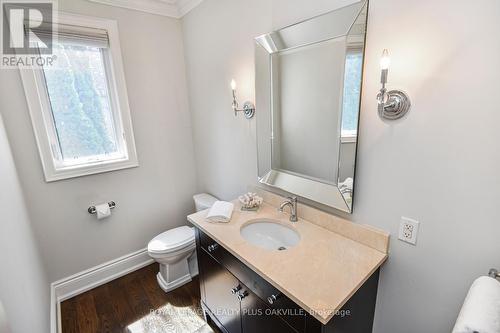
[(408, 230)]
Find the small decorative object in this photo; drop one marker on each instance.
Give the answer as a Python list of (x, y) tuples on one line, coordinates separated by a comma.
[(248, 107), (250, 201), (393, 104)]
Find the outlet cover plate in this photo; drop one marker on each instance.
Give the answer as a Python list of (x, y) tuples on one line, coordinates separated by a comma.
[(408, 230)]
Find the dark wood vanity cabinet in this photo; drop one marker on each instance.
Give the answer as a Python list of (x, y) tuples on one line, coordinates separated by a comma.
[(218, 283), (238, 300), (256, 316)]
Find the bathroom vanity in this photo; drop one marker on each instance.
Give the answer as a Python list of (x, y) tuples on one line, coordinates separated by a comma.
[(323, 282)]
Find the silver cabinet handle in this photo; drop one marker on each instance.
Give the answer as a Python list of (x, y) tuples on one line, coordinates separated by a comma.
[(242, 295), (235, 289), (271, 299), (212, 247)]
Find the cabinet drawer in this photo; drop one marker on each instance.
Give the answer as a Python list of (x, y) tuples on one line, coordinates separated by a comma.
[(218, 297), (279, 305), (208, 244)]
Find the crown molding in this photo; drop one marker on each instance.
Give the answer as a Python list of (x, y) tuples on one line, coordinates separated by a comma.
[(170, 8), (185, 6)]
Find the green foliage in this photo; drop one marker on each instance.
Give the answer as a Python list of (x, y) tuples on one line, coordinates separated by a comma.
[(352, 90), (78, 109)]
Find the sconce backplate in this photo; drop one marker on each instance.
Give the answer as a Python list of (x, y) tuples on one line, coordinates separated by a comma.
[(248, 110), (396, 106)]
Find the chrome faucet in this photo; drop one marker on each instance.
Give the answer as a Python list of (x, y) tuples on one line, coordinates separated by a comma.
[(292, 202)]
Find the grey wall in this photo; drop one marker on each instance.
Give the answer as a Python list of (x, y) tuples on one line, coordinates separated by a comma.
[(218, 42), (24, 288), (439, 165), (150, 199)]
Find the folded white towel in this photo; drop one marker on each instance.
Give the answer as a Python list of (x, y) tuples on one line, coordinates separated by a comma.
[(481, 309), (220, 212)]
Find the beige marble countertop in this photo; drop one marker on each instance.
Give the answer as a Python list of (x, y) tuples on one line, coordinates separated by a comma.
[(320, 273)]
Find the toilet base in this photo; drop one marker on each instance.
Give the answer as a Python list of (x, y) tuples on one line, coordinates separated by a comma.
[(174, 275), (169, 286)]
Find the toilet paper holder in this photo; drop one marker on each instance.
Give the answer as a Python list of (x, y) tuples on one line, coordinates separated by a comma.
[(494, 273), (92, 209)]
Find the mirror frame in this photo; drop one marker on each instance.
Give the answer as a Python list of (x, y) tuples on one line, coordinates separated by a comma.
[(266, 46)]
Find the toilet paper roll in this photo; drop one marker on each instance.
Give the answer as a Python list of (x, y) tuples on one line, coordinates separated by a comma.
[(102, 211)]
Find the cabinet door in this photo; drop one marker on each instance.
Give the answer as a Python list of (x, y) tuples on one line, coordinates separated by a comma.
[(256, 316), (219, 299)]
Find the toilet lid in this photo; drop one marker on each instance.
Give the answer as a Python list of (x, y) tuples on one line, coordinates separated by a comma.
[(172, 240)]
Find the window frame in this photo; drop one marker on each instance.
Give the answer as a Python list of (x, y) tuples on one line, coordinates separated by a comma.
[(41, 113)]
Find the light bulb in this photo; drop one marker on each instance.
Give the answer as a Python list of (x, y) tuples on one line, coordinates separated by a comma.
[(233, 84), (385, 61)]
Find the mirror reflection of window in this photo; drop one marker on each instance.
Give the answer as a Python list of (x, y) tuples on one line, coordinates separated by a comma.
[(352, 91), (350, 114)]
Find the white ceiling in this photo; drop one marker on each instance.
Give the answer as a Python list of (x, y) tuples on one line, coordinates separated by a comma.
[(170, 8)]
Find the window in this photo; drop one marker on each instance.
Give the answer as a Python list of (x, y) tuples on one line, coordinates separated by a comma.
[(352, 91), (79, 104)]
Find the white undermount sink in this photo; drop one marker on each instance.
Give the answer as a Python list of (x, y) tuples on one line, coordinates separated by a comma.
[(269, 234)]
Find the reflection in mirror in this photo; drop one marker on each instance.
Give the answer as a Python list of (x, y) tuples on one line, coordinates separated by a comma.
[(308, 86)]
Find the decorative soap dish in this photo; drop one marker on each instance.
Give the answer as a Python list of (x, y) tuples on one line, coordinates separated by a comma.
[(250, 202)]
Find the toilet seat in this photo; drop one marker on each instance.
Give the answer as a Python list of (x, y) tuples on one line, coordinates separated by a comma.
[(172, 240)]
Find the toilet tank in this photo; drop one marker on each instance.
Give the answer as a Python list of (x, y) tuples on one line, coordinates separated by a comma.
[(203, 201)]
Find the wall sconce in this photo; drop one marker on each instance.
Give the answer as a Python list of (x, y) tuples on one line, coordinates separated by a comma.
[(393, 104), (248, 107)]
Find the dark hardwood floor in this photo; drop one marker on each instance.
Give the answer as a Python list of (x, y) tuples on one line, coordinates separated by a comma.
[(135, 304)]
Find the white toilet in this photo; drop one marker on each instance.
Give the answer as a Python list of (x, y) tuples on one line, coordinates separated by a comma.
[(175, 251)]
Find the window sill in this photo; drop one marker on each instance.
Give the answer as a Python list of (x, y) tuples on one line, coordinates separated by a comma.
[(348, 139), (86, 170)]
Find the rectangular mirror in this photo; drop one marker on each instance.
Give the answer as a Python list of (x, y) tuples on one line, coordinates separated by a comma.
[(308, 91)]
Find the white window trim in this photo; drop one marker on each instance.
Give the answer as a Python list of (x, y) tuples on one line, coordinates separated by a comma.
[(349, 136), (36, 94)]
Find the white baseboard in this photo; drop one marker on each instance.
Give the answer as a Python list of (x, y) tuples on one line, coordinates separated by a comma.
[(81, 282)]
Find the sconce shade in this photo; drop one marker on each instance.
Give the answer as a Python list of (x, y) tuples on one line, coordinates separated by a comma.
[(385, 61)]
